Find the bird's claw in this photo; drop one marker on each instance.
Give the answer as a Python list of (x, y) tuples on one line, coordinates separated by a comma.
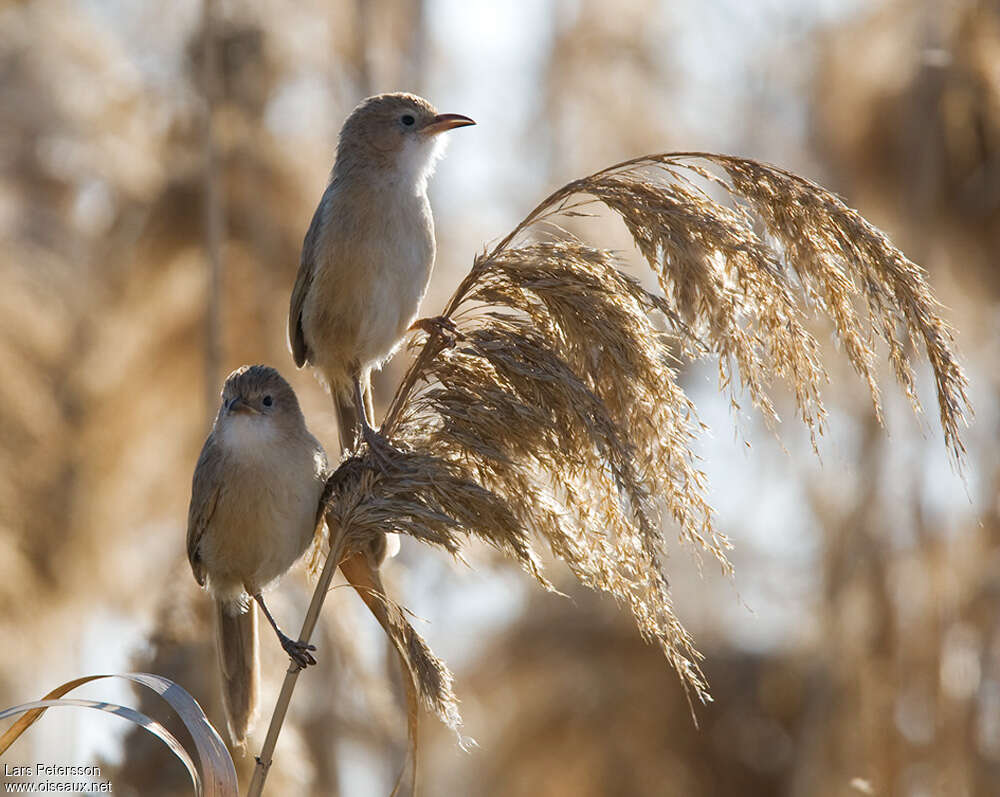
[(382, 450), (299, 652), (439, 325)]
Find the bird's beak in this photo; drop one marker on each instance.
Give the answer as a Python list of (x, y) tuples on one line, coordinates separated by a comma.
[(239, 405), (445, 121)]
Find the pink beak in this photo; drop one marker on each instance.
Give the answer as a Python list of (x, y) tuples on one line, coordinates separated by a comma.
[(445, 121)]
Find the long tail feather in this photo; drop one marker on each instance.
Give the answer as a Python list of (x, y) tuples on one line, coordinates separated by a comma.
[(236, 637), (348, 420)]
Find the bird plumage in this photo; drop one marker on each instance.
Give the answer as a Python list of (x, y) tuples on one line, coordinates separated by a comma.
[(369, 251), (255, 507)]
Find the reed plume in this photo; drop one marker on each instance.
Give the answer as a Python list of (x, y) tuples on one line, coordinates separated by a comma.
[(552, 411)]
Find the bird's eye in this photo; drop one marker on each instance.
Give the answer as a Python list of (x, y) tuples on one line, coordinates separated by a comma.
[(268, 401), (408, 120)]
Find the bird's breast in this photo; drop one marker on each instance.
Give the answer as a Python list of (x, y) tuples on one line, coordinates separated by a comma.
[(265, 515), (374, 271)]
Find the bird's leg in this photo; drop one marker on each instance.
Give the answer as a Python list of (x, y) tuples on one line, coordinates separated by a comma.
[(439, 325), (381, 448), (299, 652)]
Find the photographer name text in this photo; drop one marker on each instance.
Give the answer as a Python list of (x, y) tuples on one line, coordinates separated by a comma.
[(50, 771)]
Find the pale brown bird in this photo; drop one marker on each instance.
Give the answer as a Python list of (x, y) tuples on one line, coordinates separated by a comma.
[(255, 508), (368, 254)]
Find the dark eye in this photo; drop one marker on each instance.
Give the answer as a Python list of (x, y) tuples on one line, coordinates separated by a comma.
[(408, 120), (268, 401)]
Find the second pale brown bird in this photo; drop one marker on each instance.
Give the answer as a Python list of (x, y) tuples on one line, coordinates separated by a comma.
[(255, 508), (368, 254)]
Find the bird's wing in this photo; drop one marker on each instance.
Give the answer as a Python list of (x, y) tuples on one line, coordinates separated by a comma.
[(205, 489), (303, 281)]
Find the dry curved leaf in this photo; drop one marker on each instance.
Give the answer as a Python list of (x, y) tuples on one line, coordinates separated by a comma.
[(215, 774)]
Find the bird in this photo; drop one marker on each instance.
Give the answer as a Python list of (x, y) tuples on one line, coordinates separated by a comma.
[(256, 504), (368, 254)]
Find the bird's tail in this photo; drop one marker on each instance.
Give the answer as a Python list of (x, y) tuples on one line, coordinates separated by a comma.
[(348, 420), (349, 428), (236, 637)]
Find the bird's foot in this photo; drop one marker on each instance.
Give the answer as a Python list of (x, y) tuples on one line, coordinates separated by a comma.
[(382, 450), (439, 325), (298, 652)]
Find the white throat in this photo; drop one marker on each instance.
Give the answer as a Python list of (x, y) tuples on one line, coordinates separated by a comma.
[(248, 436), (418, 160)]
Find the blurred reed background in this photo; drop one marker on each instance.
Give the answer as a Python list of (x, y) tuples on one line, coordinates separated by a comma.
[(857, 649)]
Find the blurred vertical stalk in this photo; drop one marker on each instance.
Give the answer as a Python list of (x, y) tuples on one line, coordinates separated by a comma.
[(213, 219), (363, 63), (338, 543), (418, 46)]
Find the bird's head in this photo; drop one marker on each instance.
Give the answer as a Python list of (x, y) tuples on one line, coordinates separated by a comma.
[(394, 136), (257, 397)]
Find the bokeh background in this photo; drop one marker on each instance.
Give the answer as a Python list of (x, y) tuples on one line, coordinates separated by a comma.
[(159, 164)]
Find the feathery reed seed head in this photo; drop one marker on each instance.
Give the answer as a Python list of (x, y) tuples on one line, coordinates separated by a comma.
[(556, 416)]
